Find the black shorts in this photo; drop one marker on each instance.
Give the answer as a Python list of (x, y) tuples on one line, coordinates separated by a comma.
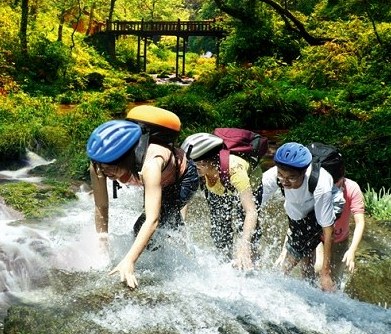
[(174, 198), (304, 235)]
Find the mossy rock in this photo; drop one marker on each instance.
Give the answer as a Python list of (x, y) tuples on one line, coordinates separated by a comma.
[(371, 283)]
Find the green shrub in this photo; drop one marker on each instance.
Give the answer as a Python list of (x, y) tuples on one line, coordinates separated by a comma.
[(143, 87), (79, 124), (137, 92), (25, 120), (223, 82), (45, 65), (50, 141), (115, 101), (94, 80), (126, 53), (378, 204), (69, 97), (362, 141), (13, 143), (192, 110), (233, 111), (328, 66)]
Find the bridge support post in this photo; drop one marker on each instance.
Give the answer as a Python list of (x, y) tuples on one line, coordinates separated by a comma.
[(218, 52), (104, 43), (180, 54), (142, 55)]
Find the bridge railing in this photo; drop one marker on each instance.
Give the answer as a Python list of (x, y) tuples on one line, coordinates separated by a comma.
[(160, 26)]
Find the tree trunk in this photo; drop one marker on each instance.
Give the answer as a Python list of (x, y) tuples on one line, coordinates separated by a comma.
[(61, 18), (111, 12), (23, 26), (90, 19)]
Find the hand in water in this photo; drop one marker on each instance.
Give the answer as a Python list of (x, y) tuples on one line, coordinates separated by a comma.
[(103, 248), (126, 271), (326, 283), (103, 241), (242, 256), (348, 258)]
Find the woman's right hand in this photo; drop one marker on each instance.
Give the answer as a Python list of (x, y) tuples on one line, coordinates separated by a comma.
[(126, 270)]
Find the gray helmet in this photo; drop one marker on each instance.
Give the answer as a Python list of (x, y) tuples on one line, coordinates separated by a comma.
[(200, 144)]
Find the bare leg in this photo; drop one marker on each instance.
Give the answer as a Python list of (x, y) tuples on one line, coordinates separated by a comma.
[(307, 267), (289, 263)]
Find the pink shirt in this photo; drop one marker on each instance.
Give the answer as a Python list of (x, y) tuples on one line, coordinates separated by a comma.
[(354, 204)]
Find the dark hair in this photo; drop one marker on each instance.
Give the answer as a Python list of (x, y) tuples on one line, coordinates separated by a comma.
[(213, 154), (291, 168), (337, 172), (128, 161)]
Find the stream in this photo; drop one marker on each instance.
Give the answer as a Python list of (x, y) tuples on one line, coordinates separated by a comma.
[(54, 279)]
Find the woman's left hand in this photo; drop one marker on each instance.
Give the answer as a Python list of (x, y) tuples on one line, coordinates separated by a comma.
[(242, 256), (126, 270), (348, 258)]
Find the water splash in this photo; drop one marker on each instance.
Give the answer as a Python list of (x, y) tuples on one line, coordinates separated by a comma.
[(184, 287)]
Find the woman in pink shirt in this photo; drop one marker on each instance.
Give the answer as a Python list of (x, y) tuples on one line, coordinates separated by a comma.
[(343, 254)]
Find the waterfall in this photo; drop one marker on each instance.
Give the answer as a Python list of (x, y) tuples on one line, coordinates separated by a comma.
[(184, 287)]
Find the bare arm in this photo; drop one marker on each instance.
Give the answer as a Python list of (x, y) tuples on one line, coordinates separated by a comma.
[(357, 236), (153, 196), (243, 246), (325, 278), (101, 199)]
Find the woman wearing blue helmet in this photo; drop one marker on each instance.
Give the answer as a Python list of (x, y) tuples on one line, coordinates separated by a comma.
[(309, 214), (119, 150)]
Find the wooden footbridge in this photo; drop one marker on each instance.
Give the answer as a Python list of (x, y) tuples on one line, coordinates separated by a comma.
[(144, 30)]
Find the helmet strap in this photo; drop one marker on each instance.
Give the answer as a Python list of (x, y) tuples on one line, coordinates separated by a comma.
[(140, 150)]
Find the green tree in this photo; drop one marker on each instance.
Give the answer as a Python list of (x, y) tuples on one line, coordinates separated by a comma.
[(242, 11), (151, 10)]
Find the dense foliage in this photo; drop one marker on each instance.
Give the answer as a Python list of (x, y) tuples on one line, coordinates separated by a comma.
[(318, 68)]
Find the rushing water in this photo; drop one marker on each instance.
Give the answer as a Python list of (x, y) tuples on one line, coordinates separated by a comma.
[(184, 288)]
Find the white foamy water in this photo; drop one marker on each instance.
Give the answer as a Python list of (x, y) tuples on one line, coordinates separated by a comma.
[(22, 174), (186, 289)]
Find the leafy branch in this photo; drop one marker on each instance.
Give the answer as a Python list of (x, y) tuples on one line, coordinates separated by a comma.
[(290, 20)]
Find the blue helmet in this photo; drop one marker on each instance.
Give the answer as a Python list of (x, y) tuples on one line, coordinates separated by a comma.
[(110, 140), (293, 155)]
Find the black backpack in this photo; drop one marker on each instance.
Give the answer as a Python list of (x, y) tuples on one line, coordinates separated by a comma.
[(328, 157)]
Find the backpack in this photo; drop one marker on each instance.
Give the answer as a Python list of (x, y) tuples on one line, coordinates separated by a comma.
[(158, 126), (328, 157), (246, 144)]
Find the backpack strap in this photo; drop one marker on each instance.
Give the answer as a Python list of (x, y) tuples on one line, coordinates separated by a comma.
[(281, 187), (224, 169), (314, 177), (141, 149)]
